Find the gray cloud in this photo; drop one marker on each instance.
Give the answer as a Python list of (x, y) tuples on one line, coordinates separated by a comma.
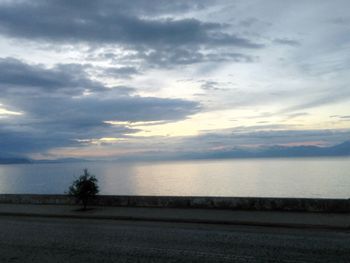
[(89, 110), (297, 114), (152, 32), (118, 41), (53, 117), (20, 77), (138, 7), (263, 135), (107, 23), (340, 21), (212, 85), (326, 97), (168, 57), (250, 138), (341, 117), (120, 72), (287, 41)]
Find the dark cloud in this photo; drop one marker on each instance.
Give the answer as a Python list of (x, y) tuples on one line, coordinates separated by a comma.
[(53, 117), (149, 29), (107, 23), (248, 22), (165, 57), (253, 22), (138, 7), (340, 21), (341, 117), (19, 77), (212, 85), (92, 110), (121, 72), (169, 58), (287, 41)]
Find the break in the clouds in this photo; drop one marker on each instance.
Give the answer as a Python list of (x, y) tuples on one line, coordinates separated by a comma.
[(110, 78)]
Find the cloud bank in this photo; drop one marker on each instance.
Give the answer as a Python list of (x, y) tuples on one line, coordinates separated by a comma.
[(116, 77)]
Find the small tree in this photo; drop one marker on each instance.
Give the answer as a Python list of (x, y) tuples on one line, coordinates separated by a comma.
[(84, 188)]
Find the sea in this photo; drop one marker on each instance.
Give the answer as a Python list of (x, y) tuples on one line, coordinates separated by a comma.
[(272, 177)]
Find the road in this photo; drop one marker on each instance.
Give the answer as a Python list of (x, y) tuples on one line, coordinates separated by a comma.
[(26, 239)]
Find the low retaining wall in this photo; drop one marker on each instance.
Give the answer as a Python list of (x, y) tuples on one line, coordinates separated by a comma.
[(233, 203)]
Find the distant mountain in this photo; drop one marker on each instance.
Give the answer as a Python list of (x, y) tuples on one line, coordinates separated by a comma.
[(342, 149), (23, 160), (62, 160), (276, 151), (14, 160)]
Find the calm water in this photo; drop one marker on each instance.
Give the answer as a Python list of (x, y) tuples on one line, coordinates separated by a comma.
[(317, 177)]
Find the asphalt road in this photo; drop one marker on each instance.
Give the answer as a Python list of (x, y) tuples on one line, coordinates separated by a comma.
[(25, 239)]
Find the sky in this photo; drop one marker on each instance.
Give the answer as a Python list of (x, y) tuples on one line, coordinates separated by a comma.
[(111, 79)]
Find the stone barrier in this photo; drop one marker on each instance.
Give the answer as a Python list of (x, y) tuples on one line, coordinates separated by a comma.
[(233, 203)]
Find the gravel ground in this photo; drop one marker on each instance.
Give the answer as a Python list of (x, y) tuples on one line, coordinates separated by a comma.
[(26, 239)]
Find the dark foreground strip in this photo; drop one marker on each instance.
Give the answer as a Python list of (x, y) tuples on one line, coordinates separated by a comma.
[(179, 220)]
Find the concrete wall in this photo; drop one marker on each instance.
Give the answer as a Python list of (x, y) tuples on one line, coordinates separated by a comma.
[(236, 203)]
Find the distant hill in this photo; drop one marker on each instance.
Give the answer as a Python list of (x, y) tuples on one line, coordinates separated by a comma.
[(62, 160), (277, 151), (23, 160), (342, 149), (14, 160)]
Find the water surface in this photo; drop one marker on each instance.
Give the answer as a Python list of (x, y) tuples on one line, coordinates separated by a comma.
[(290, 177)]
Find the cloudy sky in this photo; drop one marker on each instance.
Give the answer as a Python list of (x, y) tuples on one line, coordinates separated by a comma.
[(105, 79)]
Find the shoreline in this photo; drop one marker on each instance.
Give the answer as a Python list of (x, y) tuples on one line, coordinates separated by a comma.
[(320, 205)]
